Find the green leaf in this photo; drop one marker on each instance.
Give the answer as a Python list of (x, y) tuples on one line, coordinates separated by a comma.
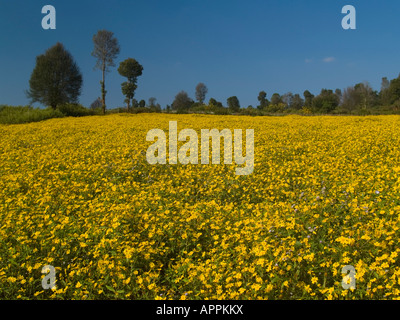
[(110, 288)]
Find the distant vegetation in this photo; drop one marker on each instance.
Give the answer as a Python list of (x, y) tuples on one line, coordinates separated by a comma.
[(20, 114), (56, 83), (25, 114)]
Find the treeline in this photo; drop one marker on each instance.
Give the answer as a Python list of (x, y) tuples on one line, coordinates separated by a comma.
[(359, 99), (56, 82)]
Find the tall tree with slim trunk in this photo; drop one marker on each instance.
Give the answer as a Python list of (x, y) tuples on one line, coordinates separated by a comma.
[(56, 78), (262, 97), (201, 91), (131, 69), (106, 49)]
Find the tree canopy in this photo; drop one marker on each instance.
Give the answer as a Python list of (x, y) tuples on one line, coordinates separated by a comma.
[(233, 104), (56, 78), (131, 69), (182, 102)]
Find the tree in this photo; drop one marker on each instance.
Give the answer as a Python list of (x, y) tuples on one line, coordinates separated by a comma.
[(338, 93), (214, 103), (276, 99), (142, 104), (361, 96), (131, 69), (367, 96), (287, 99), (106, 49), (325, 102), (384, 95), (201, 91), (233, 104), (350, 99), (308, 98), (96, 104), (394, 91), (262, 98), (385, 84), (135, 103), (297, 102), (182, 102), (152, 101), (56, 79)]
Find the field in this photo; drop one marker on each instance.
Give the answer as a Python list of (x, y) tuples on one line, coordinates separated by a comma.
[(78, 194)]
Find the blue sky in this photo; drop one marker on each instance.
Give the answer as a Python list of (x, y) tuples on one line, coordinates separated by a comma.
[(234, 47)]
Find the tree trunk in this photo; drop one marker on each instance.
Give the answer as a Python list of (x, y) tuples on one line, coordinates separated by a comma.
[(103, 91)]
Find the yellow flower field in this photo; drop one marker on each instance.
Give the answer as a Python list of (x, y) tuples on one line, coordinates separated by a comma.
[(78, 194)]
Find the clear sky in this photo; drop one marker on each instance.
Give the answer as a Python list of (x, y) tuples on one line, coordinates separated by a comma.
[(234, 47)]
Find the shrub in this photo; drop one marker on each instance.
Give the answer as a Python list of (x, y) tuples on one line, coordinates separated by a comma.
[(221, 111), (251, 112), (25, 114), (76, 110)]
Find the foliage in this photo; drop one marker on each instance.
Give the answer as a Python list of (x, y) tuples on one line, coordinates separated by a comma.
[(262, 98), (131, 69), (297, 102), (276, 99), (25, 114), (361, 96), (325, 102), (76, 110), (56, 78), (233, 104), (214, 103), (182, 102), (308, 98), (275, 108)]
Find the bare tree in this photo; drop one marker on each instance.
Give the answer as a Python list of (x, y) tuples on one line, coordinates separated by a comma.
[(201, 91), (106, 49), (152, 101)]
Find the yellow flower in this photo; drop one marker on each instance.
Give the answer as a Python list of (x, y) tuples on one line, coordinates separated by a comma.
[(256, 287), (314, 280), (11, 279)]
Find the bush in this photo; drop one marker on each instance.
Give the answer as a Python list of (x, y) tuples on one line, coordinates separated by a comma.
[(363, 112), (140, 110), (251, 112), (221, 111), (25, 114), (116, 110), (76, 110)]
